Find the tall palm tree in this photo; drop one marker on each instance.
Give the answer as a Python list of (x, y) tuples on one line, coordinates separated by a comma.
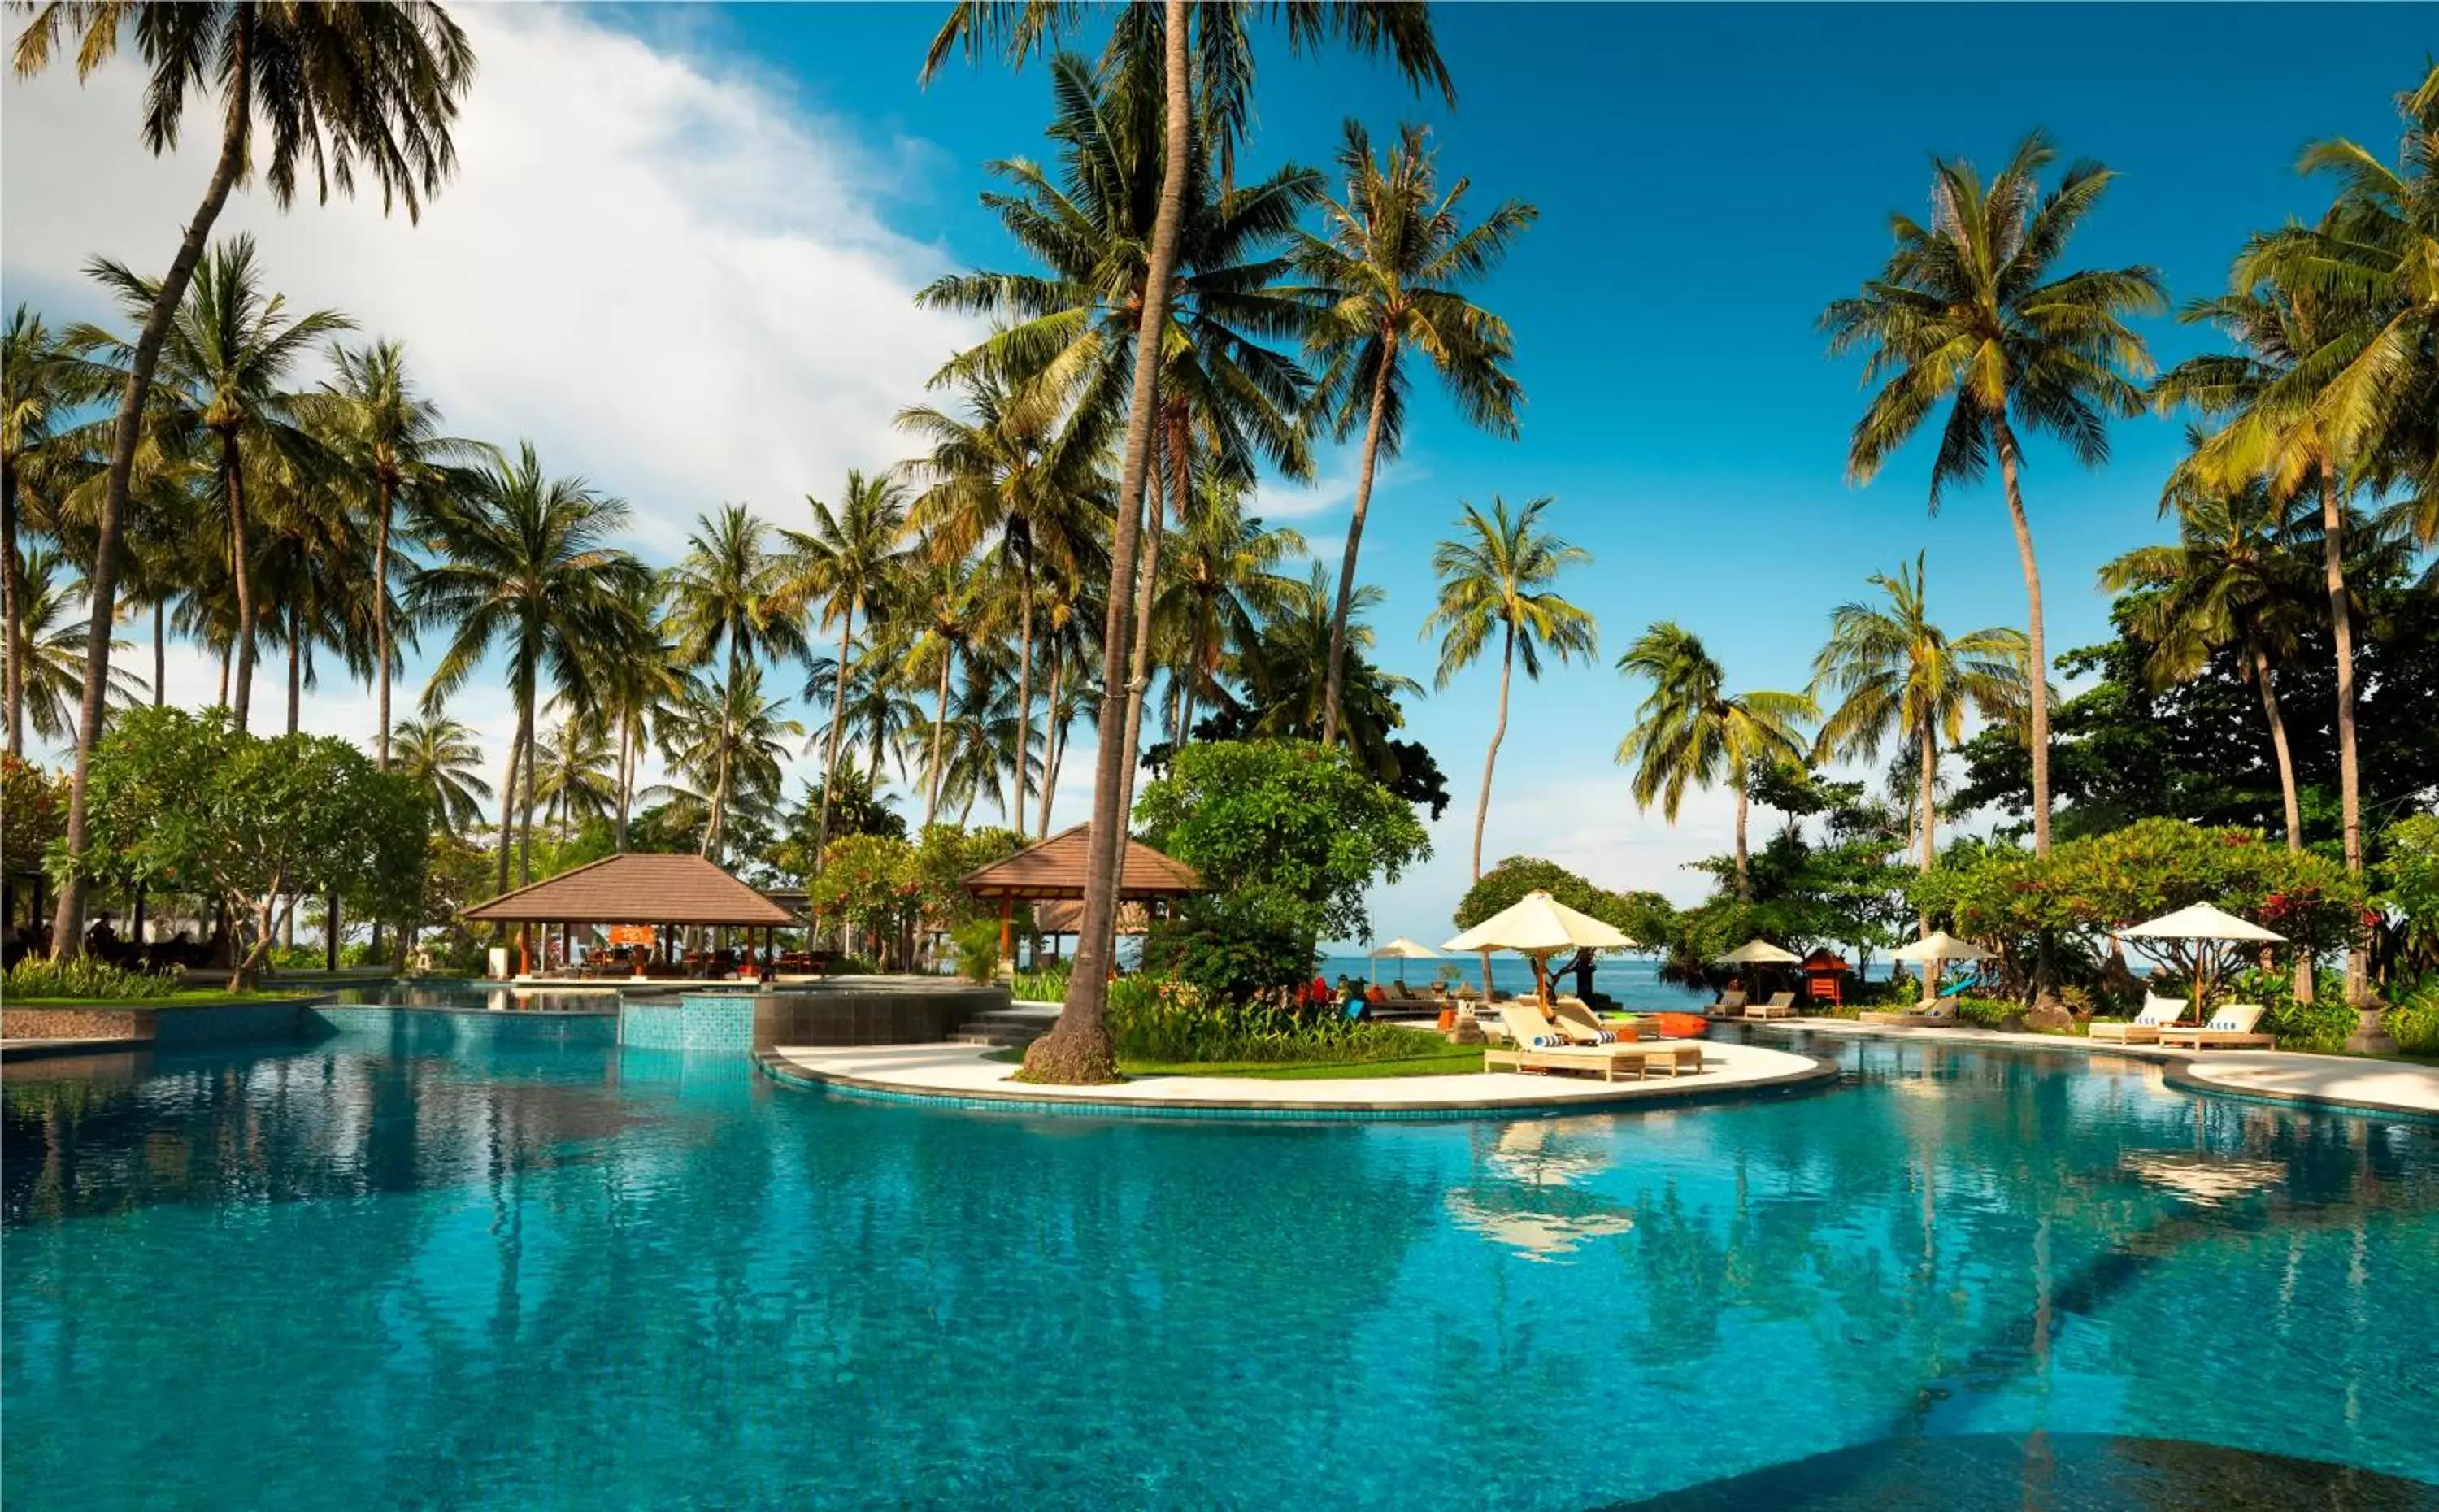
[(850, 563), (225, 364), (1285, 675), (576, 773), (440, 756), (388, 435), (1017, 478), (1892, 672), (2336, 379), (956, 611), (730, 592), (1078, 1049), (1970, 309), (1386, 281), (1224, 585), (730, 742), (524, 562), (1690, 731), (50, 647), (637, 672), (1496, 575), (43, 381), (371, 87)]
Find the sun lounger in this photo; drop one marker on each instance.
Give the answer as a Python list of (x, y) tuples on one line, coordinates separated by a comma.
[(1540, 1045), (1941, 1014), (2144, 1028), (1781, 1006), (1578, 1022), (2230, 1027), (1730, 1004)]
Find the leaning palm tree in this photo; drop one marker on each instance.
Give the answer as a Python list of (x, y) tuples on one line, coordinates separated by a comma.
[(440, 756), (50, 646), (1970, 309), (43, 381), (1892, 672), (1387, 281), (222, 397), (1224, 585), (1078, 1049), (371, 87), (388, 435), (524, 562), (1496, 575), (848, 561), (1691, 732)]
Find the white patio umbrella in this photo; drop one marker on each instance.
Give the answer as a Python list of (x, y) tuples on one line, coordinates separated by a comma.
[(1538, 926), (1401, 949), (2203, 928), (1934, 949), (1758, 953)]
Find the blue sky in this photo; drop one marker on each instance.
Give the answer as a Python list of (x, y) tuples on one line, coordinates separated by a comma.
[(1708, 179)]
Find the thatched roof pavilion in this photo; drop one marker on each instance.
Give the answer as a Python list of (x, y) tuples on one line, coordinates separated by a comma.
[(1054, 870), (637, 888)]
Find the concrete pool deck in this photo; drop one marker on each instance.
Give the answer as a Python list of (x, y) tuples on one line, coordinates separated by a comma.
[(2355, 1082), (966, 1075)]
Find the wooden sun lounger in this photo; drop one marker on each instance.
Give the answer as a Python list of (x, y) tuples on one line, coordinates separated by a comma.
[(1521, 1022), (1940, 1015), (2158, 1014), (2229, 1028), (1781, 1006)]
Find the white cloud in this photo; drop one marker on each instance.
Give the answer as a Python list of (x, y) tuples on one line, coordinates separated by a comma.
[(669, 276)]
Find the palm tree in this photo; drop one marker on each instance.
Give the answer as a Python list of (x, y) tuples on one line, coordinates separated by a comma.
[(1892, 672), (1691, 732), (390, 437), (1224, 583), (848, 561), (730, 590), (51, 646), (730, 741), (636, 674), (1966, 309), (954, 610), (228, 352), (1388, 279), (1078, 1049), (439, 757), (1015, 478), (524, 562), (1496, 575), (43, 380), (1285, 674), (371, 87), (576, 773)]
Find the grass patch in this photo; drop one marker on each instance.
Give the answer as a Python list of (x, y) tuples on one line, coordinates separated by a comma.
[(1433, 1057)]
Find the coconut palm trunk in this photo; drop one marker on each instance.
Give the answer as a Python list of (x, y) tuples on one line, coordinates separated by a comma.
[(2333, 563), (1355, 540), (2010, 461), (2278, 746), (1491, 757), (524, 835), (1024, 687), (68, 920), (626, 776), (831, 746), (1077, 1048), (509, 792), (939, 732), (1744, 870), (8, 585), (1147, 591), (1054, 738), (295, 666), (241, 575), (160, 649), (381, 621)]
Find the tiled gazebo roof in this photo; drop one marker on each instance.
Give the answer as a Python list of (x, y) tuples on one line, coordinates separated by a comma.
[(636, 889), (1055, 868)]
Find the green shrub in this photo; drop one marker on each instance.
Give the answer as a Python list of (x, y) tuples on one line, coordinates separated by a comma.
[(1988, 1013), (1160, 1019), (2413, 1015), (2322, 1025), (852, 966), (977, 948), (85, 977), (1047, 985)]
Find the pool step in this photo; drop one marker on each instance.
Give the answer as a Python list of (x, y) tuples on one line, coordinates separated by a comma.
[(1007, 1029)]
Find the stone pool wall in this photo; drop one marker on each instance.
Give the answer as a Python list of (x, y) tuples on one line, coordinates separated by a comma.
[(840, 1011), (168, 1025), (439, 1028)]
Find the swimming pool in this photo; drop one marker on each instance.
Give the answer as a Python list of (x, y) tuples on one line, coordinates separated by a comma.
[(547, 1276)]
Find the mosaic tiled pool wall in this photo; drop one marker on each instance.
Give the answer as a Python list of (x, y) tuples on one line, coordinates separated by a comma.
[(710, 1021), (440, 1028), (846, 1012)]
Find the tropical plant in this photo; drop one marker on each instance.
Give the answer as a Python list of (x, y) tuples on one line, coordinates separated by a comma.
[(43, 381), (1969, 310), (1496, 576), (440, 757), (375, 84), (523, 561), (732, 743), (1892, 672), (50, 649), (576, 775), (849, 562), (730, 592), (1386, 280), (1224, 583), (1689, 731)]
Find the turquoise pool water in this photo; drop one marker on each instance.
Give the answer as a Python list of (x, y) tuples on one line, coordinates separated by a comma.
[(561, 1277)]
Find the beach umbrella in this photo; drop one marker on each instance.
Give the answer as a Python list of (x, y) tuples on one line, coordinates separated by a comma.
[(2204, 929), (1401, 949), (1758, 953), (1537, 927), (1934, 949)]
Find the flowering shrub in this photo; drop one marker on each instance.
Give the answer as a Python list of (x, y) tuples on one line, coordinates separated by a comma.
[(1162, 1018)]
